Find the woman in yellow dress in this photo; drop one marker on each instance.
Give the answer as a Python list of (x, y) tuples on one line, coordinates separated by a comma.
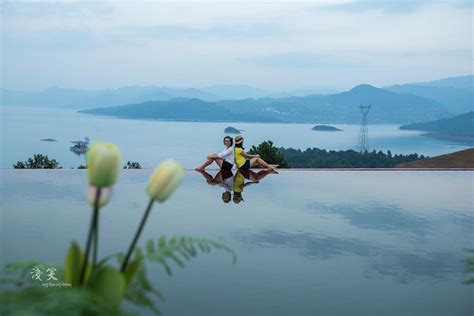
[(245, 161)]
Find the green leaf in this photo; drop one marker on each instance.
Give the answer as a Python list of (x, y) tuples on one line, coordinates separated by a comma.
[(201, 245), (188, 246), (162, 242), (177, 260), (134, 266), (73, 265), (131, 269), (173, 241), (109, 284), (157, 258), (470, 281), (150, 247), (184, 254), (220, 246)]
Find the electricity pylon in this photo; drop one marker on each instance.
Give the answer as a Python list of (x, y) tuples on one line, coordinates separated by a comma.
[(363, 142)]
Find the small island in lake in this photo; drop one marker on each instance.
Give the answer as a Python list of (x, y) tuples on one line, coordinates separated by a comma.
[(231, 130), (326, 128), (48, 140)]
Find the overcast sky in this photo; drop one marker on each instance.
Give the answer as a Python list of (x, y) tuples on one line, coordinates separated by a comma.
[(271, 45)]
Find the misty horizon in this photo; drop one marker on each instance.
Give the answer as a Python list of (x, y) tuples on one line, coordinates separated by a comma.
[(272, 46), (241, 85)]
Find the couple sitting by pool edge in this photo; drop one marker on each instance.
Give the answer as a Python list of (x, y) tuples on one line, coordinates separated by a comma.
[(237, 155)]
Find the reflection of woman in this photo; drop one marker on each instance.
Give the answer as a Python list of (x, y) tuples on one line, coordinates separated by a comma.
[(225, 159), (225, 179), (240, 184), (246, 161)]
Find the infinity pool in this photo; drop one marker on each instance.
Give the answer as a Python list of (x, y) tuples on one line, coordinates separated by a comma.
[(307, 242)]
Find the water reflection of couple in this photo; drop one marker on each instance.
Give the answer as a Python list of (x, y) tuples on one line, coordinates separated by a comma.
[(237, 155), (243, 161), (234, 183)]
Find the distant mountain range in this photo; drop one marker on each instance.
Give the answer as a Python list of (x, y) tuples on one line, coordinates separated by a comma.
[(388, 107), (459, 125), (456, 94), (402, 104), (461, 82), (84, 99)]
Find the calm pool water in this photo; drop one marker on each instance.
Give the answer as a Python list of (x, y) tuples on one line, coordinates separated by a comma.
[(308, 242)]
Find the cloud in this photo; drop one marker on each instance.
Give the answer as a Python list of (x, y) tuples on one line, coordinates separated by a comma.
[(270, 45), (391, 7), (45, 10), (250, 31), (301, 60)]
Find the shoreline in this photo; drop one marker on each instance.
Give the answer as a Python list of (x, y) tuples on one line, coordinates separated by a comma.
[(464, 139)]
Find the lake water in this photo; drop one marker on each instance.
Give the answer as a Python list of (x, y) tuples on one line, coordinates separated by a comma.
[(150, 142), (307, 242)]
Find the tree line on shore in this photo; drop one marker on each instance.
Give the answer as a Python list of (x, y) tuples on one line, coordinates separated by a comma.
[(284, 157), (40, 161), (321, 158)]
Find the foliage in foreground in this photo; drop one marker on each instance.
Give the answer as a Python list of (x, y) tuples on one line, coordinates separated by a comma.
[(102, 295), (86, 285), (470, 266)]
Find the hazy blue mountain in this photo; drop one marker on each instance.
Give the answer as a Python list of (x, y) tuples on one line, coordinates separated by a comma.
[(461, 82), (398, 107), (455, 100), (51, 97), (237, 92), (303, 92), (84, 99), (181, 109), (233, 92), (462, 125), (388, 107), (74, 98)]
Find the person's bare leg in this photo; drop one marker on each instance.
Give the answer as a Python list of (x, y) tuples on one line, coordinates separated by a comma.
[(258, 176), (218, 178), (259, 162), (209, 161), (205, 164), (219, 161), (206, 175)]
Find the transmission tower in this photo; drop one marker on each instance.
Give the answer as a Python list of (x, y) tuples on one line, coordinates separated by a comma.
[(363, 143)]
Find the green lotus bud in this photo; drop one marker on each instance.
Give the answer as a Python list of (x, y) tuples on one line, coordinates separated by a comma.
[(165, 179), (103, 164), (105, 194)]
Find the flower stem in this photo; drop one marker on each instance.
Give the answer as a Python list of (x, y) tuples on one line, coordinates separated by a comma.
[(137, 235), (90, 235), (96, 241)]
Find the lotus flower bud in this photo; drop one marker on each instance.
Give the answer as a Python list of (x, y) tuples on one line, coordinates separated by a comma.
[(165, 179), (103, 164), (105, 194)]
